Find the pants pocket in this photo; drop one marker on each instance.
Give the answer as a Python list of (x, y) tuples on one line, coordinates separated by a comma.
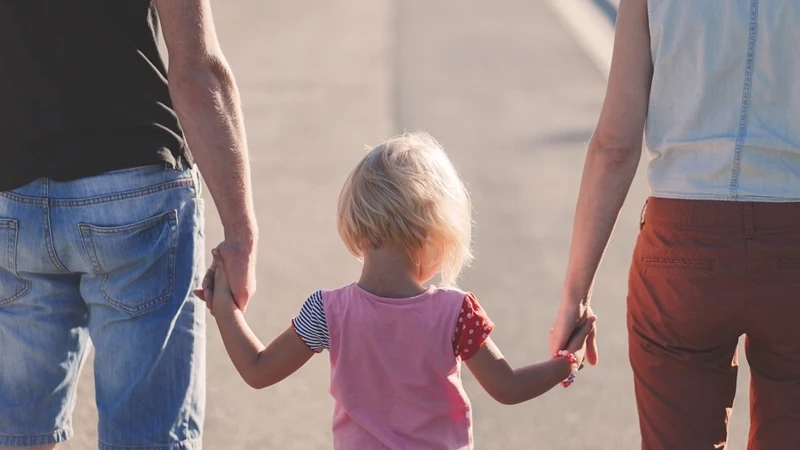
[(134, 265), (678, 262), (12, 287), (789, 263)]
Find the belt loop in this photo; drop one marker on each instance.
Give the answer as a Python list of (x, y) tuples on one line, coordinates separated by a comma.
[(747, 216), (641, 216)]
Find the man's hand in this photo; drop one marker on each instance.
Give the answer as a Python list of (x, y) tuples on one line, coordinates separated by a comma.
[(570, 315), (240, 262)]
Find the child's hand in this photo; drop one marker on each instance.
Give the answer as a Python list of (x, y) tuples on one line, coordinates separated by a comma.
[(206, 293), (577, 342), (221, 303)]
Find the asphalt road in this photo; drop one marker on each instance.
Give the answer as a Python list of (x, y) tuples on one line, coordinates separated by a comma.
[(514, 100)]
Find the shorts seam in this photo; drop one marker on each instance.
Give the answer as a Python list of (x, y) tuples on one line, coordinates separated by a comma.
[(57, 436), (189, 444)]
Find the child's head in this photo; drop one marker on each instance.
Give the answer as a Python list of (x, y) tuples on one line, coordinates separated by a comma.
[(406, 195)]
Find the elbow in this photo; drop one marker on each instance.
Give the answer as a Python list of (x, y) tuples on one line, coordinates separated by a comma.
[(256, 382), (613, 152), (508, 401), (506, 397), (197, 78)]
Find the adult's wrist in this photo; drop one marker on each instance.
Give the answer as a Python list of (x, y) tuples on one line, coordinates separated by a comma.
[(575, 294), (243, 234)]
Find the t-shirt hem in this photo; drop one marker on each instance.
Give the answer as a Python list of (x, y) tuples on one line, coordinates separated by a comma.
[(722, 197), (294, 327)]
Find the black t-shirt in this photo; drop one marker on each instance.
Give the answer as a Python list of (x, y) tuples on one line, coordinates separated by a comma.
[(83, 90)]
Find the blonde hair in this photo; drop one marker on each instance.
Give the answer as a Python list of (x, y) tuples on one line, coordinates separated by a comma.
[(405, 192)]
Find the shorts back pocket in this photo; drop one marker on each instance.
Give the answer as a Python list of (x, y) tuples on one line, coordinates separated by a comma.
[(12, 287), (134, 265)]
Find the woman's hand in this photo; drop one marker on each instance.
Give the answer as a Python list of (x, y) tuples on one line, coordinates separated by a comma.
[(572, 317), (578, 343)]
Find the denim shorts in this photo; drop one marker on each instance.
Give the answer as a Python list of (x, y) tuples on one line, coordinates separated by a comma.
[(111, 260)]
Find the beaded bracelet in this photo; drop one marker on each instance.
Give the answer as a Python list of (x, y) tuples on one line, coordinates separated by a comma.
[(574, 366)]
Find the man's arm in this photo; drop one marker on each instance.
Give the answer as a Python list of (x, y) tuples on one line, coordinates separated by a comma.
[(207, 102)]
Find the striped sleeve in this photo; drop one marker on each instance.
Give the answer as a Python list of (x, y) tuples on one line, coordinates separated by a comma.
[(310, 323)]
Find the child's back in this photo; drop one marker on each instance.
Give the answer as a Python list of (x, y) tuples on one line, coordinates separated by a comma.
[(394, 376)]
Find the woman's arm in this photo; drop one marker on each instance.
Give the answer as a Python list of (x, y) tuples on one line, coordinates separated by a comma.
[(611, 162)]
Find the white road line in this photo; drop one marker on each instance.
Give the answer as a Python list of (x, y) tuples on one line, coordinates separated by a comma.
[(590, 27)]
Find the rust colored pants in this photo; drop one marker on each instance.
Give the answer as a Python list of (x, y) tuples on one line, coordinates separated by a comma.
[(704, 273)]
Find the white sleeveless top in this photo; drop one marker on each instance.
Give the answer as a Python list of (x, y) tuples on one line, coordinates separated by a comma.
[(724, 115)]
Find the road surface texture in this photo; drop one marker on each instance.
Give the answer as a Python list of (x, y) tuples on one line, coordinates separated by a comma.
[(514, 100)]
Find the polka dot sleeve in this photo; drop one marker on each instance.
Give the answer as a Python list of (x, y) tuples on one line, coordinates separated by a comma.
[(472, 329)]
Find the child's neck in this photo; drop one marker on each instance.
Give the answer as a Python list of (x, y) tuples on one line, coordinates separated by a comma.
[(390, 274)]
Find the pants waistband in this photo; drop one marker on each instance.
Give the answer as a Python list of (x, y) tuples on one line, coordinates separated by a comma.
[(722, 214), (116, 183)]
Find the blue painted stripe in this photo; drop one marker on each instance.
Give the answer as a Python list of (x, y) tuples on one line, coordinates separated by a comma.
[(608, 10)]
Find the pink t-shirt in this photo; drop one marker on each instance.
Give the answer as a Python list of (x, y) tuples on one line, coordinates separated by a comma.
[(395, 379)]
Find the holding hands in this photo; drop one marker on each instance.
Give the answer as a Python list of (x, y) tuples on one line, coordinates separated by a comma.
[(578, 343), (216, 291), (241, 261), (575, 331)]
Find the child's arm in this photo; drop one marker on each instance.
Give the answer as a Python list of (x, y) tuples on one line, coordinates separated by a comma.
[(511, 386), (260, 367)]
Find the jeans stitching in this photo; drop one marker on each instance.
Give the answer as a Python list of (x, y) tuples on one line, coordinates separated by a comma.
[(48, 230), (171, 220), (184, 182), (27, 288), (58, 435), (88, 246), (179, 445), (12, 239), (57, 430), (11, 243), (168, 216)]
